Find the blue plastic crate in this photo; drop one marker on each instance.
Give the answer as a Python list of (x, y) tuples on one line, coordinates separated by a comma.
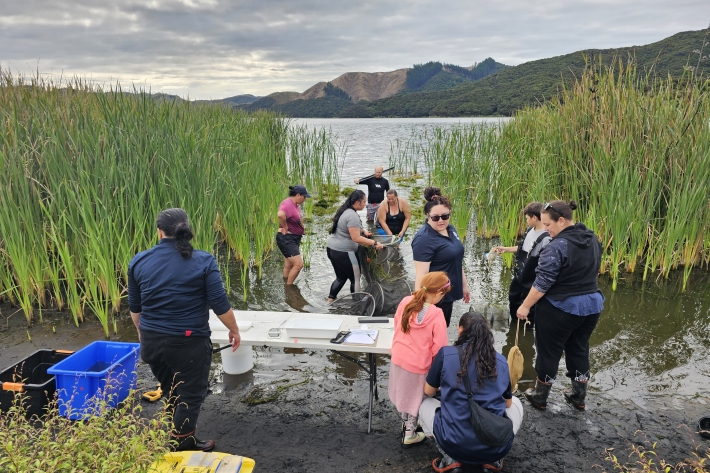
[(100, 374)]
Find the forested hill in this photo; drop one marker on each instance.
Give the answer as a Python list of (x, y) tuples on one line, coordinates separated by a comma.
[(536, 81)]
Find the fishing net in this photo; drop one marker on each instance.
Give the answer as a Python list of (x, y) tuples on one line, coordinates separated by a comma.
[(358, 303), (384, 275)]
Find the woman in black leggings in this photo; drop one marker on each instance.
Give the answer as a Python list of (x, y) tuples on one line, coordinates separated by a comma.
[(345, 235)]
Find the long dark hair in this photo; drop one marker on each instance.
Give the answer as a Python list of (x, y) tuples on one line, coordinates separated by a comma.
[(477, 336), (355, 196), (175, 224)]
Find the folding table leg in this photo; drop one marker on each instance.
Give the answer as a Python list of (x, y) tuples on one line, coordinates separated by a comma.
[(373, 388), (374, 372)]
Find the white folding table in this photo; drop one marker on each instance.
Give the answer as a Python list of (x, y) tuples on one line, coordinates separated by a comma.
[(259, 323)]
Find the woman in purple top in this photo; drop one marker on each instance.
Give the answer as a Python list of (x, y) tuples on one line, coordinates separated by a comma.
[(290, 232)]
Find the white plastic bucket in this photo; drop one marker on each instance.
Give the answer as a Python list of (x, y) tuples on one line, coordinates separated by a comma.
[(239, 361)]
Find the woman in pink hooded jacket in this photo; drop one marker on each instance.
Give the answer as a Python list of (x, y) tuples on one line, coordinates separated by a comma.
[(420, 331)]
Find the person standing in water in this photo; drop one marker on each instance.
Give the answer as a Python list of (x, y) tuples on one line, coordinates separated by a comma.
[(569, 304), (346, 234), (376, 188), (527, 253), (437, 247), (393, 217), (291, 231)]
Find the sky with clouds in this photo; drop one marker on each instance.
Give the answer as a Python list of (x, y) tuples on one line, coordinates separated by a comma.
[(213, 49)]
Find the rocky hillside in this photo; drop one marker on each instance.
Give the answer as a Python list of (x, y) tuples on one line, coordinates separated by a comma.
[(363, 85)]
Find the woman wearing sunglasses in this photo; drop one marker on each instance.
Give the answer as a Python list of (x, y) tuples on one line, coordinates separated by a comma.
[(568, 303), (437, 247)]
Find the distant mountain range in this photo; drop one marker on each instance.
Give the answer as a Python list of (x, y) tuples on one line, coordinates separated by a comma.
[(488, 88), (348, 94)]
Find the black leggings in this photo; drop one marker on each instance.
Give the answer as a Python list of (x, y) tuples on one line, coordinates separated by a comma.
[(347, 266)]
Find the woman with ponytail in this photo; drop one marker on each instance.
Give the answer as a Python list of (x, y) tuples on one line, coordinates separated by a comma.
[(449, 421), (346, 234), (568, 304), (420, 331), (170, 290)]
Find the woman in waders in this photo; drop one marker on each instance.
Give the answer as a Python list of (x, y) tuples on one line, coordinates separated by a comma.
[(393, 217), (568, 303)]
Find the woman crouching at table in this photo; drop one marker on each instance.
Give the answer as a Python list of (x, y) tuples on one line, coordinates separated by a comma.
[(449, 421)]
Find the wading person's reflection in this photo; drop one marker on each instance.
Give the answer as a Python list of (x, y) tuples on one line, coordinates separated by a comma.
[(295, 299)]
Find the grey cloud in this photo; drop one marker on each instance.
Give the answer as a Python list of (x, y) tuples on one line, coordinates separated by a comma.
[(221, 48)]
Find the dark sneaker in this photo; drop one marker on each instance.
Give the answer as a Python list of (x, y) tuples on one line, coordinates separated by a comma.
[(495, 466), (440, 466), (193, 443)]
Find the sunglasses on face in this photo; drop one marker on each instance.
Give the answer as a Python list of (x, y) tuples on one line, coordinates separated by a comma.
[(435, 218)]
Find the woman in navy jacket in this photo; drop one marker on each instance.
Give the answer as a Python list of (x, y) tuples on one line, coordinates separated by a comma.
[(449, 421)]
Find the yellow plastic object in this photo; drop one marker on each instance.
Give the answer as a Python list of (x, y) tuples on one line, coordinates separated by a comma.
[(153, 396), (202, 462)]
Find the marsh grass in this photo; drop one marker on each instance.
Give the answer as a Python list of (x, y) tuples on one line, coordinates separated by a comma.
[(632, 149), (644, 458), (84, 172)]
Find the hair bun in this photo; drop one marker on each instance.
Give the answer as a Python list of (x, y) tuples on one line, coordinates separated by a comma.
[(290, 188), (572, 204), (436, 197)]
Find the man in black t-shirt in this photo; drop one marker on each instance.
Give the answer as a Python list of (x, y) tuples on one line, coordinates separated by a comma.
[(377, 187)]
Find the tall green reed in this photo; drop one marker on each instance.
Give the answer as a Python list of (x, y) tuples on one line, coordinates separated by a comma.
[(633, 150), (85, 171)]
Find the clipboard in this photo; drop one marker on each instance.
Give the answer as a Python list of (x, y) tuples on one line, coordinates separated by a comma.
[(361, 337)]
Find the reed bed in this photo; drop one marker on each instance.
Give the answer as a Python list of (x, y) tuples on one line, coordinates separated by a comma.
[(84, 172), (633, 150)]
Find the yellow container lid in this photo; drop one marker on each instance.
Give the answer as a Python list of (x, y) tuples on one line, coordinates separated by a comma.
[(202, 462)]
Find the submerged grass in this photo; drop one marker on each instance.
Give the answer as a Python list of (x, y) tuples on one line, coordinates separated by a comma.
[(84, 172), (631, 149)]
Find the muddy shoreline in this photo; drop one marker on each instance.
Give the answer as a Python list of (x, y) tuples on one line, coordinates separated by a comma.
[(320, 423)]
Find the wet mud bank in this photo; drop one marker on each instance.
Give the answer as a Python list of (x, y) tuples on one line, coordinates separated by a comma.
[(322, 426), (307, 411)]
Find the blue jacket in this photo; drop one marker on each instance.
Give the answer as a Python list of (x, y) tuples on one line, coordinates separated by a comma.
[(174, 294), (452, 424)]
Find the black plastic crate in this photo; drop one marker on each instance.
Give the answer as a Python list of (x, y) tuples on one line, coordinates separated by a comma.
[(30, 377)]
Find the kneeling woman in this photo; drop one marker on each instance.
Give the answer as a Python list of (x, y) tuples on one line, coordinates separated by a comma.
[(345, 234), (449, 421)]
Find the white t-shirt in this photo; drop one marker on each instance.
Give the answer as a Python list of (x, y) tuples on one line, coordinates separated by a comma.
[(530, 239)]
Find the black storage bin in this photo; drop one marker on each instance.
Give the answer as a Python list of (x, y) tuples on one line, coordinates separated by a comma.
[(30, 377)]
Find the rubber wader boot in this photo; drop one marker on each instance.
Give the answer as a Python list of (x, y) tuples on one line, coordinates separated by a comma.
[(576, 395), (538, 395)]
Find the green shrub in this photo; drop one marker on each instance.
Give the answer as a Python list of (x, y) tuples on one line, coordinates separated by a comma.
[(119, 440)]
